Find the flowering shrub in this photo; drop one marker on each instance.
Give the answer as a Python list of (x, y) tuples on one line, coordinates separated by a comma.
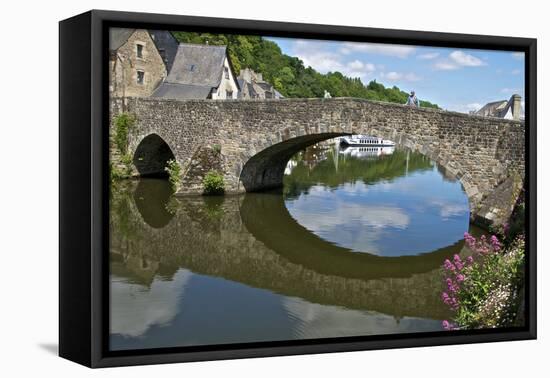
[(482, 289)]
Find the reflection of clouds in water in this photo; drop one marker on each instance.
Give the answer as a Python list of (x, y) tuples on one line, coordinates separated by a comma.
[(450, 209), (135, 308), (317, 321), (358, 226), (337, 212)]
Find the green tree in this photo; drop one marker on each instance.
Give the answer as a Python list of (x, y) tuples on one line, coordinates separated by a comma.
[(288, 74)]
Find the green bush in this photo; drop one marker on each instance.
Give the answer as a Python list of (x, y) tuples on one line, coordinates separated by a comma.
[(213, 184), (123, 124), (174, 173), (217, 148)]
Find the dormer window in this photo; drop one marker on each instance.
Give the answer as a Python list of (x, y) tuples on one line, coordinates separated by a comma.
[(139, 50)]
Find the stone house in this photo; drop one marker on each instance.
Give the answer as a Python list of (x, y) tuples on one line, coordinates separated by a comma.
[(254, 86), (167, 46), (136, 67), (508, 109), (199, 72)]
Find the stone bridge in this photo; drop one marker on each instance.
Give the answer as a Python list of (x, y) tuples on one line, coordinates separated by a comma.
[(251, 141)]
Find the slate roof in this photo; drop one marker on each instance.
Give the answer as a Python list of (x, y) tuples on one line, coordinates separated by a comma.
[(500, 109), (198, 65), (492, 109), (181, 91), (118, 37), (164, 40)]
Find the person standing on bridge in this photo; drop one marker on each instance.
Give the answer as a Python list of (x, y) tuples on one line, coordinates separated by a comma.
[(413, 100)]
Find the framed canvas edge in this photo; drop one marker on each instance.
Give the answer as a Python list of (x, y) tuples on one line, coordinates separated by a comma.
[(96, 252)]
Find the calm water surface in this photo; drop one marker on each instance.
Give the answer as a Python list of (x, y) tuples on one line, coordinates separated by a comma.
[(350, 246)]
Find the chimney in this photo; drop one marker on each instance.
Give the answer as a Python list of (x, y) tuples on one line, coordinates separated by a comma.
[(516, 106)]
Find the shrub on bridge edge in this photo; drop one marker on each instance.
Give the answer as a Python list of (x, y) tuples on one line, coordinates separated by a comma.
[(174, 173), (213, 184)]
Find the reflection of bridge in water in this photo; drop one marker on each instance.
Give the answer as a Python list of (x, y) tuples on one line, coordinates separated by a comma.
[(232, 238)]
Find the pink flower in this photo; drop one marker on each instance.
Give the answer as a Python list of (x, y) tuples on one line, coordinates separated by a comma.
[(495, 243), (448, 265), (446, 325), (470, 260), (460, 278)]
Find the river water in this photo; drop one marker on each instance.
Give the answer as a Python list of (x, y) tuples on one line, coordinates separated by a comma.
[(352, 245)]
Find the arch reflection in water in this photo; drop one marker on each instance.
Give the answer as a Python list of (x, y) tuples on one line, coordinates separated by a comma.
[(221, 271), (385, 202), (152, 198)]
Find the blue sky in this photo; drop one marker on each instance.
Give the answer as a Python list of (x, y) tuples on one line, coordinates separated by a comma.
[(455, 79)]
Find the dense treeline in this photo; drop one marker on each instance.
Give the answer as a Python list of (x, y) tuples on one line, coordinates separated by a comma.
[(288, 74), (351, 169)]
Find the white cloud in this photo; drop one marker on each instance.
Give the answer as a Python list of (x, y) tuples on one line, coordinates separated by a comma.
[(399, 51), (466, 60), (518, 55), (510, 90), (465, 108), (474, 106), (516, 72), (458, 59), (317, 55), (445, 66), (395, 76), (428, 56)]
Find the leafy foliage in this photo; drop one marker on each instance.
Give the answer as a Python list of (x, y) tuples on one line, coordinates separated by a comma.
[(350, 169), (288, 74), (213, 184), (174, 173), (116, 173), (483, 290), (123, 123), (217, 148)]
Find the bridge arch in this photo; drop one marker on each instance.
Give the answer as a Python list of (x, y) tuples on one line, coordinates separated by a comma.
[(151, 156), (265, 169)]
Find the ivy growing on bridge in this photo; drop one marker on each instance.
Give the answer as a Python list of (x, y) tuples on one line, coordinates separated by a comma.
[(123, 122)]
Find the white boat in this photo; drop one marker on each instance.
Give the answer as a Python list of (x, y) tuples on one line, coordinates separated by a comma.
[(364, 140), (367, 152)]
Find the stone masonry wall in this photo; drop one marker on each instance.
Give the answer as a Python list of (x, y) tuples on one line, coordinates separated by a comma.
[(125, 64), (482, 152)]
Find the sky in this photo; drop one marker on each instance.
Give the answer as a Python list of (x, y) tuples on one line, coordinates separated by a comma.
[(455, 79)]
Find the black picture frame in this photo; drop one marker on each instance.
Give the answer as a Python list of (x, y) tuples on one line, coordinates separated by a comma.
[(84, 188)]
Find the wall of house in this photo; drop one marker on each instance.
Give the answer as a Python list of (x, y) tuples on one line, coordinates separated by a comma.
[(229, 84), (124, 65)]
